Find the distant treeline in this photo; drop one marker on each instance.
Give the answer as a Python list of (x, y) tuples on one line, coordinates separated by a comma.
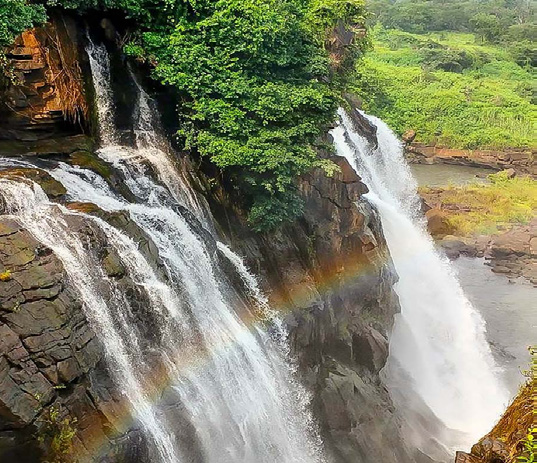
[(490, 20)]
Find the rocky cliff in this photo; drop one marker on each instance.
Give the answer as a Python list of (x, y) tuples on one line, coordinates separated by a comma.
[(329, 274), (508, 441), (57, 401), (42, 90)]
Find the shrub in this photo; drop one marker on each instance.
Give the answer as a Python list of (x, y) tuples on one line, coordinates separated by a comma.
[(257, 87), (16, 16)]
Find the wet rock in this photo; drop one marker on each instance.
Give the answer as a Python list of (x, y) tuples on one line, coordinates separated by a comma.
[(51, 187), (88, 160), (86, 208), (362, 126), (112, 265), (46, 345), (454, 247), (331, 275), (438, 223), (60, 146), (462, 457)]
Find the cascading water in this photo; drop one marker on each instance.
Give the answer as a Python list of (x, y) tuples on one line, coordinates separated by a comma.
[(47, 222), (438, 347), (215, 387)]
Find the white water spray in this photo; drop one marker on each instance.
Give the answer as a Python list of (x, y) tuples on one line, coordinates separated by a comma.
[(100, 66), (47, 223), (438, 343), (223, 391)]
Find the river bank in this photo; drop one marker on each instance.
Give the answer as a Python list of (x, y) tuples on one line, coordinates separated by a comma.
[(521, 160), (487, 216)]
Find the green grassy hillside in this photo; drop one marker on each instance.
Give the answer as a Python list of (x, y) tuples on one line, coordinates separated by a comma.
[(451, 88)]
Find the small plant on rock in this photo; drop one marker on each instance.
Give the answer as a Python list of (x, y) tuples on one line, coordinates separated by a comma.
[(529, 454), (57, 436), (5, 276)]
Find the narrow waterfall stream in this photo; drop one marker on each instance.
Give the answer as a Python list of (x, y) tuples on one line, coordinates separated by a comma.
[(438, 351), (213, 384)]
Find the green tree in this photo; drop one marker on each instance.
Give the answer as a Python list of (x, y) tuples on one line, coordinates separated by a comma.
[(487, 27), (17, 16), (257, 88)]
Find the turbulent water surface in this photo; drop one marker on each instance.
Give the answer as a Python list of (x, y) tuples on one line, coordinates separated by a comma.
[(439, 355)]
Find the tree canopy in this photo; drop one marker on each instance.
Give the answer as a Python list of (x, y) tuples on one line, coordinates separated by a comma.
[(258, 82)]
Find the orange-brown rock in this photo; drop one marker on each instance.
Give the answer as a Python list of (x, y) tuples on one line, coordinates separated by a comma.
[(506, 440), (521, 160), (45, 96)]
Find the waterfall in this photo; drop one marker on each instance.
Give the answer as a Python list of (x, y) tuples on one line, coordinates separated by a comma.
[(47, 222), (438, 347), (100, 65), (201, 371)]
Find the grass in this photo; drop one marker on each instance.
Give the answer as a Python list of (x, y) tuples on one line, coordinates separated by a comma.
[(482, 208), (486, 104)]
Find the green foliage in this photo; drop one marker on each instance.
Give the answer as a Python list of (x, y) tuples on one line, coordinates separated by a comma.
[(57, 436), (257, 89), (487, 27), (530, 447), (489, 17), (16, 16), (258, 80), (487, 103)]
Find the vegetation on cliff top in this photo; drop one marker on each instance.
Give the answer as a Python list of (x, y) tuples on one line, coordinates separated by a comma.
[(258, 81), (257, 86), (436, 69)]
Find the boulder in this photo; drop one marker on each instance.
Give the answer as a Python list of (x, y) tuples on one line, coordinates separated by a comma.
[(453, 247), (438, 223), (409, 136), (509, 173), (50, 186)]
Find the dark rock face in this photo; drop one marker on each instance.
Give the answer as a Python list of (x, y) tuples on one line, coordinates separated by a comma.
[(331, 276), (51, 363), (360, 123)]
